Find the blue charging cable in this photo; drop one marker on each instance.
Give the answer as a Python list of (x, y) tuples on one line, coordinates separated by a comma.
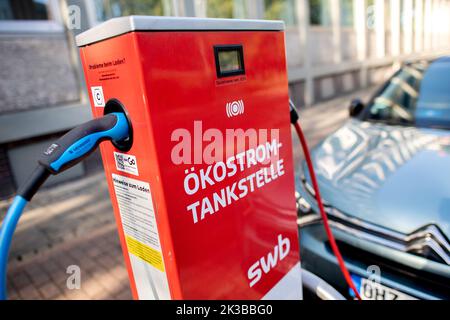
[(6, 233), (66, 152)]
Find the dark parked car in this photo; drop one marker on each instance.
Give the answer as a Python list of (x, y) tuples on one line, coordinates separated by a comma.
[(385, 180)]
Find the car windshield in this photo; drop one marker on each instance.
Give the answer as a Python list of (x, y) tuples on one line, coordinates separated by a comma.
[(418, 94)]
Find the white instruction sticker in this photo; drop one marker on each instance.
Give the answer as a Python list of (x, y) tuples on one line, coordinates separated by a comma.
[(126, 163), (141, 234)]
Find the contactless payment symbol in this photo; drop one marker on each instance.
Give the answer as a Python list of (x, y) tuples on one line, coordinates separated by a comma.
[(97, 96)]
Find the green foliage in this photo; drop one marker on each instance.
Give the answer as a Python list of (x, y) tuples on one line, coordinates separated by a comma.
[(220, 8), (347, 13), (280, 9), (319, 12), (114, 8), (144, 7), (315, 12)]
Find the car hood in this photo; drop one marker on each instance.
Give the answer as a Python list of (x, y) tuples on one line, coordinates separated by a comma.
[(393, 176)]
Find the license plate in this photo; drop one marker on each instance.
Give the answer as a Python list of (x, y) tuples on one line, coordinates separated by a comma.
[(372, 290)]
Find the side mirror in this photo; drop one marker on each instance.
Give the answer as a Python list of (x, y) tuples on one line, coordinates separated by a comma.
[(356, 106)]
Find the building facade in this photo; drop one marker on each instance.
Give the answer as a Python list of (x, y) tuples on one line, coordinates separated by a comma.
[(333, 47)]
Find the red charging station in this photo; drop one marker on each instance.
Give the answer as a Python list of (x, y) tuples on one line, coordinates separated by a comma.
[(205, 208)]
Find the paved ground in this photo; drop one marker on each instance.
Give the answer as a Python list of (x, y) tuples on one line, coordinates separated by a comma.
[(73, 225)]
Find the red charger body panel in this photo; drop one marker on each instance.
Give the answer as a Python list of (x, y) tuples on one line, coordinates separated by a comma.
[(198, 215)]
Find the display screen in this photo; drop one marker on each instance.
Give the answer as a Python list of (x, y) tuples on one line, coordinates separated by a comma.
[(229, 60)]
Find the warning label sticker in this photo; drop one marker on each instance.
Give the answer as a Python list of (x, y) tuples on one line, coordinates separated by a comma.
[(141, 233), (146, 253)]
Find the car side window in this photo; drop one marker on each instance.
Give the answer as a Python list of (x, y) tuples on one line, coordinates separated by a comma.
[(397, 102)]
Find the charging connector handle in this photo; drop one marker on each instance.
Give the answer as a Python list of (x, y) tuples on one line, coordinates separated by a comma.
[(66, 152), (75, 146), (78, 143)]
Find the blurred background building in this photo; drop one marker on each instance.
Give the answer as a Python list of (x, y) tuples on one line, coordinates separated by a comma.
[(333, 47)]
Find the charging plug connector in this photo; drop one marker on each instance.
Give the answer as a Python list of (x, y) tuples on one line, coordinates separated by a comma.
[(61, 155)]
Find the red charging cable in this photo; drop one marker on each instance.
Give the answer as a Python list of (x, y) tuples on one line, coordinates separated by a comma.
[(330, 236)]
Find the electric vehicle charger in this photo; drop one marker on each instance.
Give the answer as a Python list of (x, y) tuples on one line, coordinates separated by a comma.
[(261, 257), (66, 152), (334, 247), (194, 220)]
